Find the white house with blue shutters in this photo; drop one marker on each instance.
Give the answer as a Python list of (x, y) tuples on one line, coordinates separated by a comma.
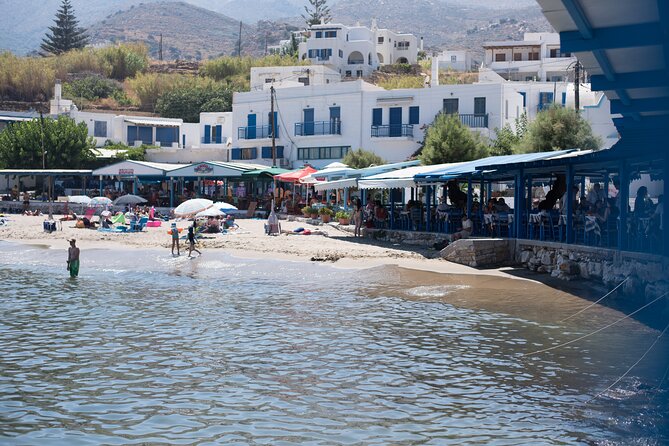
[(321, 124), (356, 51)]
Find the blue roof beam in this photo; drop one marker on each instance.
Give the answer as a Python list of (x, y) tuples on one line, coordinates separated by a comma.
[(645, 123), (623, 81), (641, 106), (574, 9), (663, 10), (629, 36)]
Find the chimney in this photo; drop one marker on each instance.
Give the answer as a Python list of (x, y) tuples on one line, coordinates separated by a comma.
[(374, 25), (421, 44), (58, 91)]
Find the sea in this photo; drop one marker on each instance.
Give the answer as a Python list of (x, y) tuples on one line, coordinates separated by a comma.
[(146, 348)]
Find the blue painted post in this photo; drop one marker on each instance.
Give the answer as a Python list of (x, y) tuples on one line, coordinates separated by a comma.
[(582, 188), (469, 197), (392, 210), (428, 208), (171, 192), (346, 199), (134, 186), (100, 185), (606, 184), (665, 232), (519, 204), (569, 229), (624, 194)]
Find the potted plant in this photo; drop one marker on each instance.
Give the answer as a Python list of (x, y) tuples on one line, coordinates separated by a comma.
[(344, 217), (326, 214), (308, 211)]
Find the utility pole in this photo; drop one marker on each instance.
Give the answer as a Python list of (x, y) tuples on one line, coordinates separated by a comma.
[(272, 125), (239, 42), (160, 48), (577, 82)]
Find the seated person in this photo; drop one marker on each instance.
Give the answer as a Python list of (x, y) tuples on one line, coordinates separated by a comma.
[(466, 232), (442, 208), (380, 214), (69, 217), (501, 206)]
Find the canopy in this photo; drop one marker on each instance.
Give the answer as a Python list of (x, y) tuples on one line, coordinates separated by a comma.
[(295, 175), (213, 169), (327, 173), (338, 184), (352, 176), (133, 168), (273, 171), (399, 178), (155, 122)]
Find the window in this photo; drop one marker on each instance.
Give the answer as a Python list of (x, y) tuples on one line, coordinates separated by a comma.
[(269, 80), (341, 54), (267, 152), (500, 57), (564, 98), (330, 34), (321, 153), (533, 56), (303, 80), (100, 129), (479, 106), (556, 78), (377, 116), (348, 73), (380, 40), (524, 95), (545, 99), (454, 58), (319, 34), (249, 153), (451, 106), (414, 115), (555, 52), (358, 73), (403, 45), (517, 57)]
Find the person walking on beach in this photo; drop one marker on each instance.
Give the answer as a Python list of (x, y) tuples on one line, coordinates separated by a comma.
[(73, 259), (191, 240), (175, 238), (357, 219)]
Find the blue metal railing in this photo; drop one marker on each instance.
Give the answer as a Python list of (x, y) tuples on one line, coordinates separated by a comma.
[(392, 131), (474, 120), (259, 132), (332, 127)]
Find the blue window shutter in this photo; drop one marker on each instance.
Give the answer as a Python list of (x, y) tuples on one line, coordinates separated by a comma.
[(207, 134), (254, 153), (414, 115), (266, 152), (236, 154), (564, 98), (524, 95), (377, 116), (219, 137), (319, 34), (279, 151)]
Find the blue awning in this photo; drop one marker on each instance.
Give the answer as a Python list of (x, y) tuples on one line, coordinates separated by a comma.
[(473, 168)]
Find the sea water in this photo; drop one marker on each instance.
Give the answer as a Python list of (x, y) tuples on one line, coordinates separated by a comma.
[(146, 348)]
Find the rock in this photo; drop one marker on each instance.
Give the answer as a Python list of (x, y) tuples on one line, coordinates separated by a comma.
[(525, 256), (547, 258)]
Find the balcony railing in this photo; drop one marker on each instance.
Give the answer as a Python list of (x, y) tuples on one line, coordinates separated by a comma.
[(475, 120), (318, 128), (259, 132), (392, 131)]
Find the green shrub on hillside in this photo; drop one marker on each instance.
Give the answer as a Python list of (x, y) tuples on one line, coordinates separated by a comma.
[(147, 88), (91, 88), (393, 83), (188, 101), (125, 60), (25, 78), (236, 71)]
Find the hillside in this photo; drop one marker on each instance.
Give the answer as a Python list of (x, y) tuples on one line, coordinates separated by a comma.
[(189, 32)]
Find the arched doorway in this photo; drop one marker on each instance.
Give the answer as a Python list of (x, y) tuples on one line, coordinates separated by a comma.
[(356, 58)]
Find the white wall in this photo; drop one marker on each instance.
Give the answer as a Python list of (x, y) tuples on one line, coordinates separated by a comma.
[(286, 77)]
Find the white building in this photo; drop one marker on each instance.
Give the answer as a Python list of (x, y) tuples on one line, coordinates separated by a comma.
[(356, 51), (537, 57), (321, 124), (292, 76), (454, 60)]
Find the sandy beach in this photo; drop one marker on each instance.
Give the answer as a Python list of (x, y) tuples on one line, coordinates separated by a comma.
[(338, 248)]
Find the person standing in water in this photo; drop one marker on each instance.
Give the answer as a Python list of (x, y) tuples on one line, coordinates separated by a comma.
[(191, 240), (175, 238), (73, 259)]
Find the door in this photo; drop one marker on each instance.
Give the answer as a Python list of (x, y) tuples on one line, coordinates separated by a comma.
[(395, 121), (335, 121), (308, 121), (479, 106), (451, 106), (251, 126)]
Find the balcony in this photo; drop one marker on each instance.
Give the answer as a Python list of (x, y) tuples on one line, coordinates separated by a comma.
[(475, 121), (318, 128), (392, 131), (259, 132)]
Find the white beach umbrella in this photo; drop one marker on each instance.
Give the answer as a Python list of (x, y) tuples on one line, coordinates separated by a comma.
[(99, 201), (192, 206), (79, 199), (211, 212), (222, 205), (129, 199)]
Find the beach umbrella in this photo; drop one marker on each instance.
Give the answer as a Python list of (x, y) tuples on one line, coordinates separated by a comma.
[(79, 199), (192, 206), (222, 205), (211, 212), (100, 201), (128, 199)]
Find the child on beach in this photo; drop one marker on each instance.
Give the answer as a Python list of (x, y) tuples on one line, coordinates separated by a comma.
[(191, 240), (73, 258), (357, 219), (175, 238)]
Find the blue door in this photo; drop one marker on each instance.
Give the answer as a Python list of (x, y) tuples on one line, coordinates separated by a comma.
[(395, 121), (140, 133), (335, 121), (251, 126), (308, 121)]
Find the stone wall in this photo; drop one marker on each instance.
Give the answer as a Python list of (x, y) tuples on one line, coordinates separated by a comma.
[(480, 252), (647, 275)]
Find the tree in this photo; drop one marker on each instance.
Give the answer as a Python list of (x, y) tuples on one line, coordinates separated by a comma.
[(187, 102), (507, 141), (359, 159), (65, 35), (447, 140), (66, 143), (559, 128), (319, 11)]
